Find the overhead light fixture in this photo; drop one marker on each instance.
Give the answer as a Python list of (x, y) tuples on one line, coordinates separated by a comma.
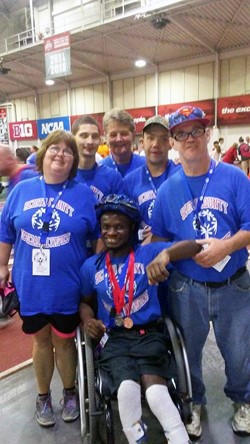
[(49, 82), (140, 63)]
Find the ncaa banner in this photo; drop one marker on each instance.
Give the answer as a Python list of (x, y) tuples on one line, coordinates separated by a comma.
[(46, 126)]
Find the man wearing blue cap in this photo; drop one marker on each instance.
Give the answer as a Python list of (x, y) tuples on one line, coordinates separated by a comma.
[(210, 203)]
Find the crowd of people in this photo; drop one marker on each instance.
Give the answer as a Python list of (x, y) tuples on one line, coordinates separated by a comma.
[(237, 154), (96, 242)]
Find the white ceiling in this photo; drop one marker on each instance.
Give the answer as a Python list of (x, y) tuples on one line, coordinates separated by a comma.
[(198, 30)]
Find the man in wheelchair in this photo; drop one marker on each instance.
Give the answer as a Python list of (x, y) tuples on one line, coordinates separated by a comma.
[(132, 348)]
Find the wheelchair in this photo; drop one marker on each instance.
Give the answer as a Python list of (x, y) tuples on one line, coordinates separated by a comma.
[(94, 395)]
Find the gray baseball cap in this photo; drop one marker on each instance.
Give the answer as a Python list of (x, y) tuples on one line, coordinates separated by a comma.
[(156, 120)]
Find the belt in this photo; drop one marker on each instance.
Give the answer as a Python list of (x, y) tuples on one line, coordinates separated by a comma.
[(228, 281)]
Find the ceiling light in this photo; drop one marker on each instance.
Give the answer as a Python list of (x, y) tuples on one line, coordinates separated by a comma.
[(49, 82), (140, 63)]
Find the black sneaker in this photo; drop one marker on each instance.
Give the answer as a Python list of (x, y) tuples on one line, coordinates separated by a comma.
[(44, 411)]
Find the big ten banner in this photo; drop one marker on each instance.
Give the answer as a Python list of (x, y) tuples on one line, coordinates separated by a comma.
[(57, 56), (140, 115), (97, 116), (4, 138), (25, 130), (206, 105), (233, 110), (46, 126)]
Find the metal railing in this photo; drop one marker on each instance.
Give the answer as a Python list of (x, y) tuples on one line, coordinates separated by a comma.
[(103, 11)]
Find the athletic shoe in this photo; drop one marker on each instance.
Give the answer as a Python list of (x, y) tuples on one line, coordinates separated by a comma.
[(194, 428), (71, 409), (44, 411), (241, 419)]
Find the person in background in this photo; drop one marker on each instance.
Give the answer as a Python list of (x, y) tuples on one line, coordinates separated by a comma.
[(222, 146), (244, 152), (103, 149), (216, 151), (31, 160), (142, 184), (48, 224), (231, 155), (208, 202), (135, 350), (119, 128), (11, 168), (101, 179), (22, 154)]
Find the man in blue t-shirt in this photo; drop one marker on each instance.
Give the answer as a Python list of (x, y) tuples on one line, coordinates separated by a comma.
[(10, 167), (132, 346), (119, 128), (143, 183), (209, 202), (99, 178)]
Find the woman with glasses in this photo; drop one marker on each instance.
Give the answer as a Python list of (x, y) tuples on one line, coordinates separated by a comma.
[(48, 220)]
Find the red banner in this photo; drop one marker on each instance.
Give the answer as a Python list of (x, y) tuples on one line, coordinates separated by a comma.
[(23, 130), (3, 113), (206, 105), (140, 115), (57, 42), (97, 116), (234, 110)]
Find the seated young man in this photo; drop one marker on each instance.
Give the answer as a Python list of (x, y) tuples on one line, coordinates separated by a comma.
[(133, 347)]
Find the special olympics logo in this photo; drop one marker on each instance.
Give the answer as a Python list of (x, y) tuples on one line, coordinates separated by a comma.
[(38, 219), (208, 224)]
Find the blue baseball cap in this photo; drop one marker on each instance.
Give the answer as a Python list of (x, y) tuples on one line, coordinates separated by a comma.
[(187, 114)]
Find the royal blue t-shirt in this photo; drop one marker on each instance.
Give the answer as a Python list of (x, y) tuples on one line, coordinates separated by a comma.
[(142, 188), (225, 210), (145, 306), (135, 162), (73, 220), (102, 180)]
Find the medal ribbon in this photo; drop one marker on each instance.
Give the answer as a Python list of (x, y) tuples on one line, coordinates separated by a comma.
[(119, 293)]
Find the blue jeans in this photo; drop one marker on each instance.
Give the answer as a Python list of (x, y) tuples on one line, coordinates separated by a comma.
[(192, 306)]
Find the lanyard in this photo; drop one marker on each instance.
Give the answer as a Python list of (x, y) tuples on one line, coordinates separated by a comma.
[(49, 210), (119, 293), (115, 164), (197, 203), (150, 178)]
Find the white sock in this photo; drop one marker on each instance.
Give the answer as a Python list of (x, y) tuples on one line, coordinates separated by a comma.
[(129, 405), (162, 406)]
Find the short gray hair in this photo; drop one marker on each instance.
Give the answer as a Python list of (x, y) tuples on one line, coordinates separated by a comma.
[(118, 115)]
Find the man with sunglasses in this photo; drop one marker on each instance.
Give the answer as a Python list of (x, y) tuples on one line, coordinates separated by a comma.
[(210, 203)]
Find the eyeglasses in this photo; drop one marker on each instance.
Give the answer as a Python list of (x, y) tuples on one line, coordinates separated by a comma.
[(184, 135), (66, 152)]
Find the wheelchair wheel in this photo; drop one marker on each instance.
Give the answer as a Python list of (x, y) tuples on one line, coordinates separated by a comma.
[(183, 395), (86, 388), (90, 402)]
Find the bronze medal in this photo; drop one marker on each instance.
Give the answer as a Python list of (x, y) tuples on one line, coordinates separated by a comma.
[(127, 322), (118, 320)]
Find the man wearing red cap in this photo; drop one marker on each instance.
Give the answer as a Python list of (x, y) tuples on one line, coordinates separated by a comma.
[(208, 202)]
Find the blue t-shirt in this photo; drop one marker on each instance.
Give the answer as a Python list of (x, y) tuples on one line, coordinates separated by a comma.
[(101, 180), (142, 188), (145, 306), (73, 219), (135, 162), (225, 210), (25, 172)]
